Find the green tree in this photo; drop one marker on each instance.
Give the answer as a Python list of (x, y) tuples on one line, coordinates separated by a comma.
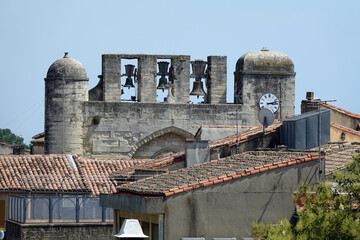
[(10, 138), (331, 212)]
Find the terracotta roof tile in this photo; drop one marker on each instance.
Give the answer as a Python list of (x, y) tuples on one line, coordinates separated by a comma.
[(54, 173), (338, 154), (215, 172), (35, 173), (340, 110), (252, 133), (345, 129)]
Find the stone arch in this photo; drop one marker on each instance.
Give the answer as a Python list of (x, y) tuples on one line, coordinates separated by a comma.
[(147, 139)]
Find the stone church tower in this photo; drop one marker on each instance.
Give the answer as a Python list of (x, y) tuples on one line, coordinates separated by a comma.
[(144, 127), (66, 88), (261, 72)]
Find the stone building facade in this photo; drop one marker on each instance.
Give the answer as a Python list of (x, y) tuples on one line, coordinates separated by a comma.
[(98, 123)]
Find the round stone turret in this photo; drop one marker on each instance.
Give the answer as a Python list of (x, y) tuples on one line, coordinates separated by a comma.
[(67, 68), (66, 89), (261, 72), (265, 61)]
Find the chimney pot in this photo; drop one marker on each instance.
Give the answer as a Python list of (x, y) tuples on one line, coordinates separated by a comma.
[(309, 96)]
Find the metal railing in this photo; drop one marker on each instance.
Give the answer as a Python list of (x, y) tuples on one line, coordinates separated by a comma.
[(61, 209)]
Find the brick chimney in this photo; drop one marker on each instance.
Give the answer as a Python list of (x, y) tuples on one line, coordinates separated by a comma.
[(309, 104)]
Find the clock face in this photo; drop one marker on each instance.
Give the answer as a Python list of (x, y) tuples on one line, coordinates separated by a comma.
[(269, 101)]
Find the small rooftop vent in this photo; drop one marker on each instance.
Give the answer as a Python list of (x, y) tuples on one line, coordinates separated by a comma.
[(71, 161), (310, 96)]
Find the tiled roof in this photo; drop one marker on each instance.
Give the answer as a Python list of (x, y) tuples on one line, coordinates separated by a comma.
[(39, 135), (223, 126), (97, 174), (216, 171), (55, 173), (172, 158), (340, 110), (345, 129), (252, 133), (39, 173), (162, 162), (38, 140), (4, 143), (338, 154)]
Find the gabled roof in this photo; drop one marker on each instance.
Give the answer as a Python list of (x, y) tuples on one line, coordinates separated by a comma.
[(39, 135), (39, 173), (5, 144), (216, 171), (337, 155), (340, 110), (345, 129)]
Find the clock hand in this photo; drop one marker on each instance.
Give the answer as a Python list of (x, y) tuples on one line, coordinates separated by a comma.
[(272, 103)]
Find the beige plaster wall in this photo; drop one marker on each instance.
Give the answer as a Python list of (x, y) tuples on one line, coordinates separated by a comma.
[(335, 136)]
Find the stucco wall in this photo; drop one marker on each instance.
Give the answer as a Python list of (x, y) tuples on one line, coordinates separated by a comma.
[(343, 119), (335, 136), (6, 149), (228, 209)]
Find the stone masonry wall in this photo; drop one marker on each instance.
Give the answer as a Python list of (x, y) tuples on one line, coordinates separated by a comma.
[(111, 74), (216, 84), (169, 142), (124, 127), (72, 231), (181, 67), (63, 115), (254, 86), (147, 78)]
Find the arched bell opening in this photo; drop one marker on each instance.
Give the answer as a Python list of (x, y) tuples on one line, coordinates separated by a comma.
[(164, 80), (129, 86), (198, 79)]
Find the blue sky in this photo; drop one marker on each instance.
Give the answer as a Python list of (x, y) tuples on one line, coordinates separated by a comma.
[(321, 37)]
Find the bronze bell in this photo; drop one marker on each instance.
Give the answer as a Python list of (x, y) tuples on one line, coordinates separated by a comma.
[(198, 68), (129, 69), (163, 71), (198, 89), (162, 83), (129, 83), (163, 68)]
